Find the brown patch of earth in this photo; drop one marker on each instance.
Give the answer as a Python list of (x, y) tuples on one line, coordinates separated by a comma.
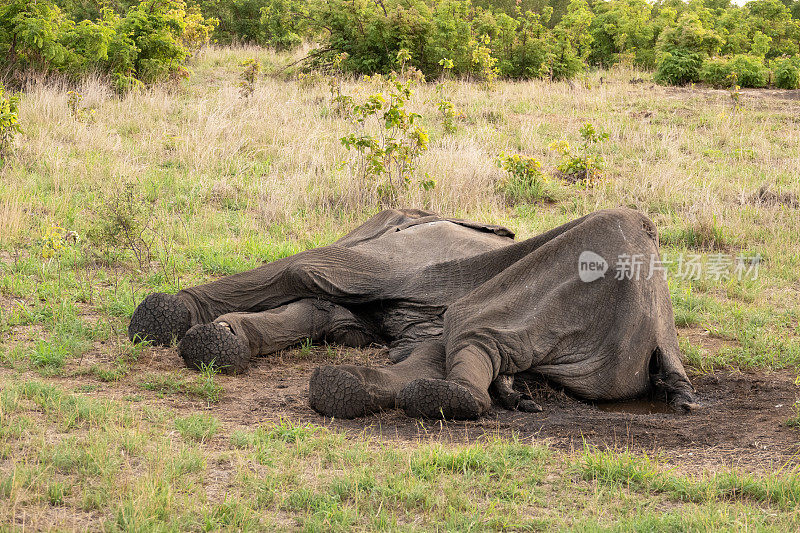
[(8, 304), (741, 423), (702, 337)]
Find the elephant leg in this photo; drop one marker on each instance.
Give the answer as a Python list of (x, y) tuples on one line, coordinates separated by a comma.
[(503, 389), (462, 395), (349, 391), (669, 380), (333, 273), (232, 339)]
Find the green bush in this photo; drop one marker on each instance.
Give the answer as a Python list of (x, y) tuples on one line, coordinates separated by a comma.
[(283, 23), (9, 121), (479, 43), (678, 67), (387, 160), (750, 71), (150, 43), (786, 73), (717, 72), (584, 163), (150, 40), (239, 20), (743, 70), (524, 180)]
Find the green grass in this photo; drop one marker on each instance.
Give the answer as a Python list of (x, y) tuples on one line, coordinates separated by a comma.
[(126, 467), (640, 474), (220, 185), (200, 385), (197, 427)]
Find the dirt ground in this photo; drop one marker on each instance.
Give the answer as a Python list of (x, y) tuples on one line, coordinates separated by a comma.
[(741, 424)]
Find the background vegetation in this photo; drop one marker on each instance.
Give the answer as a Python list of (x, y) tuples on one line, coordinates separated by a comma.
[(711, 41)]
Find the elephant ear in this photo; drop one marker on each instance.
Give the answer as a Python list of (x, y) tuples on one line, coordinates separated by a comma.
[(594, 336)]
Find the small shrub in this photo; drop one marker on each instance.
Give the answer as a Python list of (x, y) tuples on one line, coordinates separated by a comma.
[(249, 77), (750, 71), (387, 160), (581, 164), (447, 110), (743, 70), (678, 67), (81, 114), (9, 121), (54, 240), (786, 72), (127, 225), (341, 103), (524, 180), (736, 96), (483, 62), (449, 114), (717, 72)]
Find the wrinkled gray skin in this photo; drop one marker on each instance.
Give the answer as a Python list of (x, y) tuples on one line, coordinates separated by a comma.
[(462, 307)]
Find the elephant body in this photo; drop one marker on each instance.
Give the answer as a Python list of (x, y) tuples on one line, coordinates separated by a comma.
[(461, 305)]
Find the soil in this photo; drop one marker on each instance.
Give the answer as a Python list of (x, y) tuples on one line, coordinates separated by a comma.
[(741, 423)]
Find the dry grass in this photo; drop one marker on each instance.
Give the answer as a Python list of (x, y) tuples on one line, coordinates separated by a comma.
[(278, 151), (218, 167)]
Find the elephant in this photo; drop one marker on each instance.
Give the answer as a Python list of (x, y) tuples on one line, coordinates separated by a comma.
[(462, 307)]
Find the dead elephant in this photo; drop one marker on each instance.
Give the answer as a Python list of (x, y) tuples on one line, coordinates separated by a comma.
[(461, 305)]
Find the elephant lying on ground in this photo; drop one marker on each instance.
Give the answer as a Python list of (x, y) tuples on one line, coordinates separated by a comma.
[(462, 306)]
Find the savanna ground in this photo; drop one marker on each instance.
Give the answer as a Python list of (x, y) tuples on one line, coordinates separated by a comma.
[(96, 433)]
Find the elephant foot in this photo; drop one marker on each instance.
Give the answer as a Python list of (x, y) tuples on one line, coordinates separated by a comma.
[(685, 402), (161, 319), (503, 388), (438, 398), (216, 345), (337, 393)]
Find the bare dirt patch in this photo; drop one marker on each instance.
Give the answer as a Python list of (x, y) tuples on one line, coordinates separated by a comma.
[(701, 337), (741, 423)]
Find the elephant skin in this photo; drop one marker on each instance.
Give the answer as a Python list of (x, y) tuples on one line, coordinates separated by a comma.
[(462, 306)]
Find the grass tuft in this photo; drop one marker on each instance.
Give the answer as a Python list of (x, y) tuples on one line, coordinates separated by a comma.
[(197, 427)]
